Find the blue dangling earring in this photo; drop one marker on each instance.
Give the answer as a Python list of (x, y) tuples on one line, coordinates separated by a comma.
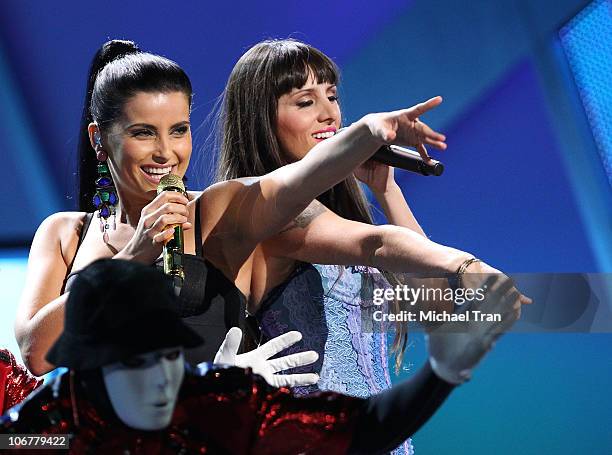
[(105, 199)]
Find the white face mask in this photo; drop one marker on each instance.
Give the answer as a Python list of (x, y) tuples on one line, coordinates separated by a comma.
[(143, 390)]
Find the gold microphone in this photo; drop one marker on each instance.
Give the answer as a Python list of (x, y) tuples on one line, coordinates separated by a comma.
[(174, 247)]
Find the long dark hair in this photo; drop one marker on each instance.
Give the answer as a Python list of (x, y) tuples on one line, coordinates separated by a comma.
[(247, 134), (248, 142), (117, 72)]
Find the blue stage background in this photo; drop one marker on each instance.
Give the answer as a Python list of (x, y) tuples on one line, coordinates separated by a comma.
[(525, 185)]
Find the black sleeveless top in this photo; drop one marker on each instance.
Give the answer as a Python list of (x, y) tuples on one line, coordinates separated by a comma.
[(210, 303)]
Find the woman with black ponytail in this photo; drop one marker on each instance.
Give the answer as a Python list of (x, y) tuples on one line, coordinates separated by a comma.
[(134, 125), (135, 129)]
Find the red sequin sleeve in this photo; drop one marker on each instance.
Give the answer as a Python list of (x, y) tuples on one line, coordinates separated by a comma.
[(16, 382), (240, 413), (321, 423)]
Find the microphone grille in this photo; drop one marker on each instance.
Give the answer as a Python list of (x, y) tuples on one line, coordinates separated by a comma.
[(170, 182)]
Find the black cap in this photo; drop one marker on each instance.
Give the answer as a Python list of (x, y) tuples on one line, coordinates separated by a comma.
[(117, 309)]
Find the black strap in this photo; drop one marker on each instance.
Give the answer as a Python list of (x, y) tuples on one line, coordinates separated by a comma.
[(198, 230), (82, 234)]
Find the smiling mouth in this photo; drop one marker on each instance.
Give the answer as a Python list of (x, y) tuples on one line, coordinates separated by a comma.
[(323, 134), (161, 405), (155, 174)]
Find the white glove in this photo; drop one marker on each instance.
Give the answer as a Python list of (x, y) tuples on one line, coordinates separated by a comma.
[(455, 348), (257, 359)]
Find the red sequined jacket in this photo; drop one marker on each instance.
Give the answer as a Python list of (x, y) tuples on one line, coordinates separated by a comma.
[(225, 411)]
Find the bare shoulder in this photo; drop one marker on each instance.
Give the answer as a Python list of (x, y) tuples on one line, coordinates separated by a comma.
[(59, 231), (244, 181), (232, 186), (53, 248), (62, 223), (220, 195), (217, 203)]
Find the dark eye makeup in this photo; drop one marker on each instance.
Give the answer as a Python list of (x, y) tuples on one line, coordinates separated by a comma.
[(141, 133), (181, 130), (304, 103)]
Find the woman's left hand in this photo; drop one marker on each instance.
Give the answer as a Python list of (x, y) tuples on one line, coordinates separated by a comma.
[(377, 176)]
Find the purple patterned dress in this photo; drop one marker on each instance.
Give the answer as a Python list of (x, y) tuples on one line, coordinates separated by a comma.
[(325, 303)]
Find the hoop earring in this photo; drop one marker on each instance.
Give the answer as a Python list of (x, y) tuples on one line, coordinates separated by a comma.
[(105, 198)]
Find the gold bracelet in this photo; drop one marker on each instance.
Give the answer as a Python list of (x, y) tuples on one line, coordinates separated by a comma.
[(462, 268)]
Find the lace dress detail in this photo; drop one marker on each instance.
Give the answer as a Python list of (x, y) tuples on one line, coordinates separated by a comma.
[(297, 304), (325, 303)]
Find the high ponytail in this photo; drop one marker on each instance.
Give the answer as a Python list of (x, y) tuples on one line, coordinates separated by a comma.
[(86, 169), (117, 72)]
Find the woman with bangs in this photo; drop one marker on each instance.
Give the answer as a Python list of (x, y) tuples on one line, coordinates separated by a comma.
[(306, 278)]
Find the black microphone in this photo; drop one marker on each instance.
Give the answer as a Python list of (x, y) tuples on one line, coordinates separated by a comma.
[(173, 248), (409, 160), (404, 158)]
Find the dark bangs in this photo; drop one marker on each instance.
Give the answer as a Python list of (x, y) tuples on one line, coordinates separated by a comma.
[(292, 63), (247, 135)]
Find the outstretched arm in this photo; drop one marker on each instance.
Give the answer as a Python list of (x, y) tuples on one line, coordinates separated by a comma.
[(330, 422), (383, 421), (319, 236), (237, 215), (287, 191), (387, 419), (455, 349)]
